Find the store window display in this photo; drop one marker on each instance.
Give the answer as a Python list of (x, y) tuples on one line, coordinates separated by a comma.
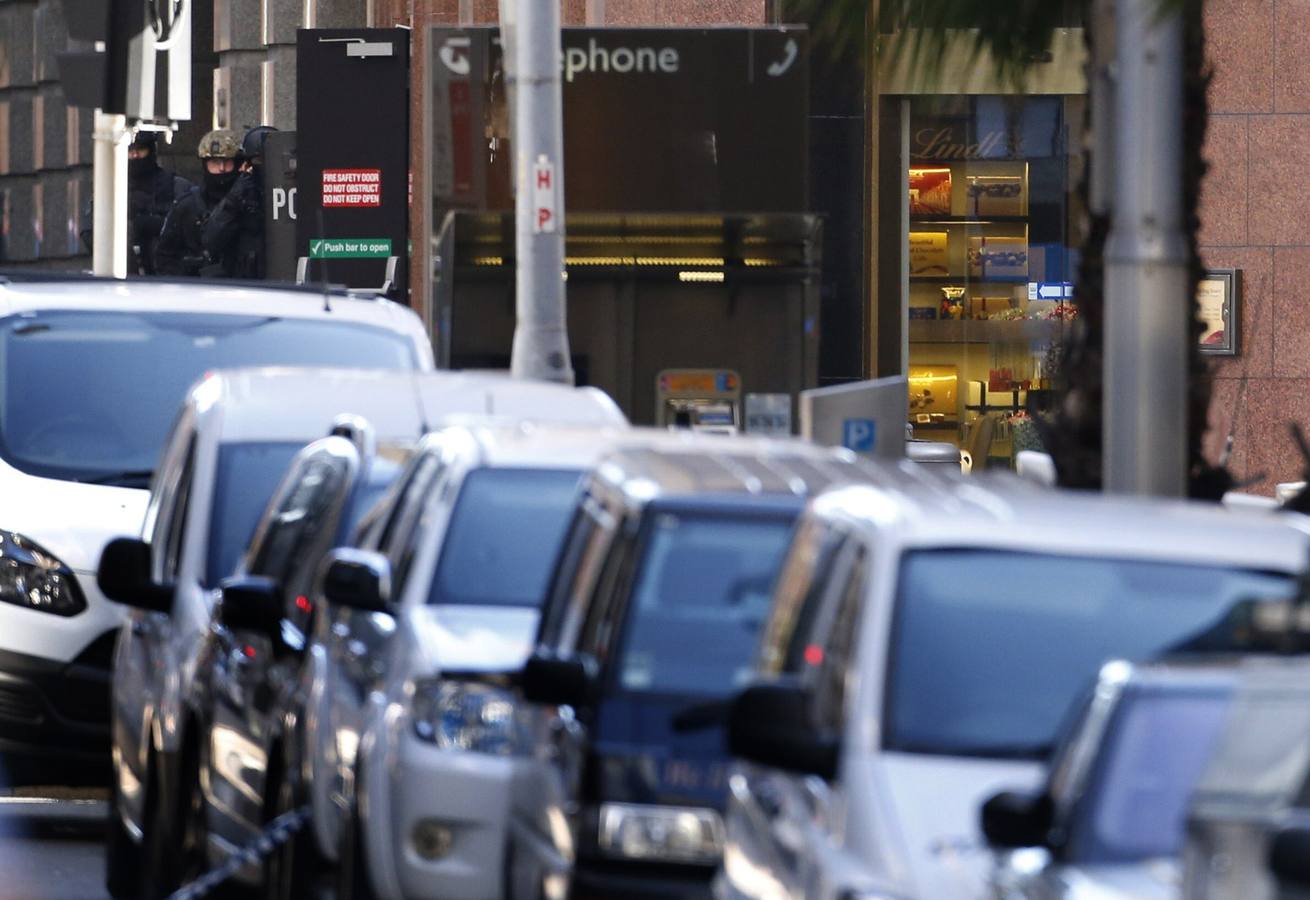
[(991, 186)]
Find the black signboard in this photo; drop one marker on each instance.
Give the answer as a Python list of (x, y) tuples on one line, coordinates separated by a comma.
[(655, 120), (352, 159)]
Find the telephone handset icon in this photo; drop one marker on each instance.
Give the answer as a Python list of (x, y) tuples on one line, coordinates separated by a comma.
[(789, 53)]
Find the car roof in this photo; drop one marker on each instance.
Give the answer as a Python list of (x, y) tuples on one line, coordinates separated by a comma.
[(18, 295), (944, 510), (452, 397), (300, 404), (547, 445), (659, 465)]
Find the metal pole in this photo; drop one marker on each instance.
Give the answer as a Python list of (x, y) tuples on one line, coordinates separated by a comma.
[(530, 30), (109, 196), (1146, 304)]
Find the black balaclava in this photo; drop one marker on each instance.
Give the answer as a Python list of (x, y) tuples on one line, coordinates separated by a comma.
[(145, 166), (217, 186)]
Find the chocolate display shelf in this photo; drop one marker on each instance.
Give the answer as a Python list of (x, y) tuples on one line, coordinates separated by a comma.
[(983, 331)]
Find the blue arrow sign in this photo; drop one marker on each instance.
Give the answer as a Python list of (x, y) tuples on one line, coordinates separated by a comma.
[(1054, 290)]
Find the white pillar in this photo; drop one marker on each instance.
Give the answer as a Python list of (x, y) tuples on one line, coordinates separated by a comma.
[(109, 235)]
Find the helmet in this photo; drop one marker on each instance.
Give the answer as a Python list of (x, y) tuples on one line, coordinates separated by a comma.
[(219, 144), (147, 139), (252, 145)]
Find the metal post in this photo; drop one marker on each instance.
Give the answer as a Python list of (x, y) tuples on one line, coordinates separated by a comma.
[(109, 196), (1146, 302), (530, 30)]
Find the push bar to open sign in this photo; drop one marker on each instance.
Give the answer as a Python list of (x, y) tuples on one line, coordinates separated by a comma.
[(349, 248)]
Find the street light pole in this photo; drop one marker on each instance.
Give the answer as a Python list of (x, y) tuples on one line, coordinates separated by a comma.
[(530, 32), (1147, 309)]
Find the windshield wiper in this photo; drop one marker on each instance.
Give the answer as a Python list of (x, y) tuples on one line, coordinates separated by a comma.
[(701, 716), (125, 478)]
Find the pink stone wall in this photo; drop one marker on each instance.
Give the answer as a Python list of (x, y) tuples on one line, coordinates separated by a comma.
[(1255, 216)]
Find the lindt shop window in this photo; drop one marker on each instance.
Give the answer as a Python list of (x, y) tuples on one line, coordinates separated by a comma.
[(991, 183)]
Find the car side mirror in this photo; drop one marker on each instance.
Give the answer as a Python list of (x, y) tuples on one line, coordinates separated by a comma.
[(358, 579), (772, 724), (251, 603), (124, 576), (1011, 820), (558, 680), (1289, 856)]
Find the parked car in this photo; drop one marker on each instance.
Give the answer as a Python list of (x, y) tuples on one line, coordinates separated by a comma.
[(654, 614), (92, 372), (1109, 820), (924, 647), (1248, 818), (450, 579), (231, 444), (251, 686)]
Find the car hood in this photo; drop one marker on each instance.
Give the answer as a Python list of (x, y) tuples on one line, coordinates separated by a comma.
[(934, 803), (476, 638), (641, 757), (71, 520)]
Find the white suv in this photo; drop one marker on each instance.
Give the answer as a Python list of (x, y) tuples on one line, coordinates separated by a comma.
[(926, 644), (230, 447), (450, 583), (92, 372)]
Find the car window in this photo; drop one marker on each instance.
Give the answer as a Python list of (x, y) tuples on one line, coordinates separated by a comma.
[(309, 503), (600, 603), (407, 497), (582, 592), (246, 476), (175, 523), (989, 648), (834, 665), (804, 580), (564, 573), (66, 373), (701, 591), (1150, 759), (503, 537)]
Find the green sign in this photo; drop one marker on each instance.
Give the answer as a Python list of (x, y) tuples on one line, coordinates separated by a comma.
[(349, 248)]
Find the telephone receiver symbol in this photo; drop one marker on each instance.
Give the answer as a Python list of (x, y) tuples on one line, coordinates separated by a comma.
[(788, 57)]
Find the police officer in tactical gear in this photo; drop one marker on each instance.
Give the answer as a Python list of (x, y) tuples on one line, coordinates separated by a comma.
[(181, 248), (234, 234), (151, 192)]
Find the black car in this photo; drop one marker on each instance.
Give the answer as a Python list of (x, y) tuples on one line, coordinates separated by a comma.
[(653, 621)]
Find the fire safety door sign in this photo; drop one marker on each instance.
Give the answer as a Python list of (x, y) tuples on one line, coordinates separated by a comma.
[(545, 207), (352, 187)]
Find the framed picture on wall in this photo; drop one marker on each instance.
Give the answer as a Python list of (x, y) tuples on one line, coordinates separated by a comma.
[(1219, 307)]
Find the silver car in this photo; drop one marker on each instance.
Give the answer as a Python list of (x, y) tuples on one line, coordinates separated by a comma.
[(1108, 823)]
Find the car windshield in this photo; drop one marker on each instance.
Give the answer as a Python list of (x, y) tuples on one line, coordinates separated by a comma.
[(702, 593), (90, 396), (503, 537), (1152, 756), (990, 648), (245, 480)]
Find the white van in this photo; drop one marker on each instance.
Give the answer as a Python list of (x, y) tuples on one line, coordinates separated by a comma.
[(92, 372)]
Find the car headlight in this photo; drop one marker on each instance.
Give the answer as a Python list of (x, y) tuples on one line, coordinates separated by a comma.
[(32, 577), (665, 833), (461, 715)]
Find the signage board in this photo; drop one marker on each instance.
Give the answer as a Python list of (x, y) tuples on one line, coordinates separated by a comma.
[(352, 163), (655, 120), (280, 207)]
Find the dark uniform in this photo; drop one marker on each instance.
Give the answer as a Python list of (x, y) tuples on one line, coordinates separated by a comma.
[(234, 234), (151, 192), (181, 247)]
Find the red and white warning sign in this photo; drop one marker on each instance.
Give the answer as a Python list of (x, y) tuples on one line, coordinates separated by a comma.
[(352, 187), (543, 196)]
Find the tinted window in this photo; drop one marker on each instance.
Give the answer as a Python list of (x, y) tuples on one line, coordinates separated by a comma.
[(701, 593), (66, 378), (300, 517), (247, 475), (1152, 756), (382, 474), (991, 648), (503, 537)]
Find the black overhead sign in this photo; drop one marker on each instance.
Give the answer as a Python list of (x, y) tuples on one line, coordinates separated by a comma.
[(352, 154), (655, 120)]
